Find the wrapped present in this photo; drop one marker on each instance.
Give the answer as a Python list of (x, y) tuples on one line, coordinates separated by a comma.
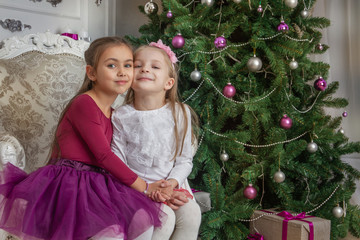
[(287, 226)]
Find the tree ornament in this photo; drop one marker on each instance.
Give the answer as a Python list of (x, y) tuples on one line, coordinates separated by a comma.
[(285, 122), (293, 64), (229, 90), (283, 27), (237, 1), (291, 3), (224, 156), (254, 64), (320, 84), (312, 147), (178, 41), (345, 114), (151, 8), (338, 212), (208, 3), (250, 192), (195, 75), (260, 9), (169, 14), (220, 42), (342, 131), (320, 47), (279, 176), (304, 13)]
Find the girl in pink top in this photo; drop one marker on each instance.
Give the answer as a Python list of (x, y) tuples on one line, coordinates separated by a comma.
[(85, 191)]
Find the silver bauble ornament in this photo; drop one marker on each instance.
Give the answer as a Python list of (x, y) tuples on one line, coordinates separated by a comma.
[(208, 3), (195, 75), (312, 147), (224, 156), (237, 1), (341, 130), (291, 3), (304, 13), (279, 176), (151, 8), (254, 64), (338, 212), (293, 64)]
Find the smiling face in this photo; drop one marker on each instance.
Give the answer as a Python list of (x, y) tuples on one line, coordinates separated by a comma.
[(151, 72), (114, 71)]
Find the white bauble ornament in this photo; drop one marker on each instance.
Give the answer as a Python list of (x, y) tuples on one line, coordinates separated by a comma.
[(304, 13), (195, 75), (291, 3), (151, 8), (293, 64), (338, 212), (341, 130), (254, 64), (312, 147), (237, 1), (208, 3), (279, 176), (224, 156)]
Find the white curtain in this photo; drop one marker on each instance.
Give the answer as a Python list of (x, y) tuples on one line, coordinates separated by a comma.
[(343, 38)]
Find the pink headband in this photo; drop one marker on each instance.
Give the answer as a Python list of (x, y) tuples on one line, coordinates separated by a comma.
[(167, 49)]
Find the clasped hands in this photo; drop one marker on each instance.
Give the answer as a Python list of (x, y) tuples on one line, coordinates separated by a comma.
[(163, 191)]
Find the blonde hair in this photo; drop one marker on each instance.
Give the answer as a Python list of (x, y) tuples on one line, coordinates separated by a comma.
[(172, 97)]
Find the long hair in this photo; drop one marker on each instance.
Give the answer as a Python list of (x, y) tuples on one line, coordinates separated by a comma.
[(92, 56), (172, 97)]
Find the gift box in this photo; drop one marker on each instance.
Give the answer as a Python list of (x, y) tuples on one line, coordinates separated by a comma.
[(289, 226)]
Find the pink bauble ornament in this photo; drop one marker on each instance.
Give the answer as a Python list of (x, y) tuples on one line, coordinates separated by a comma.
[(320, 47), (169, 14), (250, 192), (285, 122), (229, 90), (344, 114), (320, 84), (282, 27), (260, 9), (178, 41), (220, 42)]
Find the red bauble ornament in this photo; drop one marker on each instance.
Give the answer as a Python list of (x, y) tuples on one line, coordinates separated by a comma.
[(320, 84), (250, 192), (220, 42), (285, 122), (178, 41), (229, 91)]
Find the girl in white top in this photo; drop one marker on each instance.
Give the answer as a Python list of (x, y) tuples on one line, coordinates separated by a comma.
[(153, 136)]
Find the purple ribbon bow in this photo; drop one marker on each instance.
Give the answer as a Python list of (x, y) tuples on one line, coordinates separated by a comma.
[(256, 236)]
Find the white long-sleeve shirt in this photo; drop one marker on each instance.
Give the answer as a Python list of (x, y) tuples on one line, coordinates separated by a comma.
[(145, 141)]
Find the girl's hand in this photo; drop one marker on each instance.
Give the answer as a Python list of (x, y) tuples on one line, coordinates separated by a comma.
[(161, 186), (177, 200)]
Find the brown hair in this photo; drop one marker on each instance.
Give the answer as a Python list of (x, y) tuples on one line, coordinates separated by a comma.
[(92, 56), (173, 99)]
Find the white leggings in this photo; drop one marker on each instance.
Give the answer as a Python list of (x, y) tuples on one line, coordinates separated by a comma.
[(181, 224)]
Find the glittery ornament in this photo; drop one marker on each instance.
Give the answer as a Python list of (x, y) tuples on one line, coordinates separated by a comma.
[(237, 1), (208, 3), (304, 13), (291, 3), (285, 122), (320, 47), (195, 75), (220, 42), (293, 64), (169, 14), (229, 90), (224, 156), (260, 9), (151, 8), (283, 27), (345, 114), (279, 176), (312, 147), (178, 41), (338, 212), (254, 64), (320, 84), (250, 192)]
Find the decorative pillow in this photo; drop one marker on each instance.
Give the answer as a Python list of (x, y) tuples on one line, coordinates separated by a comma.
[(34, 89)]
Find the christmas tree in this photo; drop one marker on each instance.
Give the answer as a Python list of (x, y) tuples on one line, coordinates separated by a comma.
[(265, 140)]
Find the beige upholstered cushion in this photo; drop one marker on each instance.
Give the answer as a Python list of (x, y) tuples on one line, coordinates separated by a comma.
[(34, 89)]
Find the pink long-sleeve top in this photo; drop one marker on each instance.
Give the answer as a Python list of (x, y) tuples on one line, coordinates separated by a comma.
[(85, 135)]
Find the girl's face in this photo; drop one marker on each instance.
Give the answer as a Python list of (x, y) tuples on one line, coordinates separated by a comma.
[(151, 72), (114, 73)]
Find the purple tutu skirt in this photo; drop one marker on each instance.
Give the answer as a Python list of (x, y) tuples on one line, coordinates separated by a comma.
[(72, 201)]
